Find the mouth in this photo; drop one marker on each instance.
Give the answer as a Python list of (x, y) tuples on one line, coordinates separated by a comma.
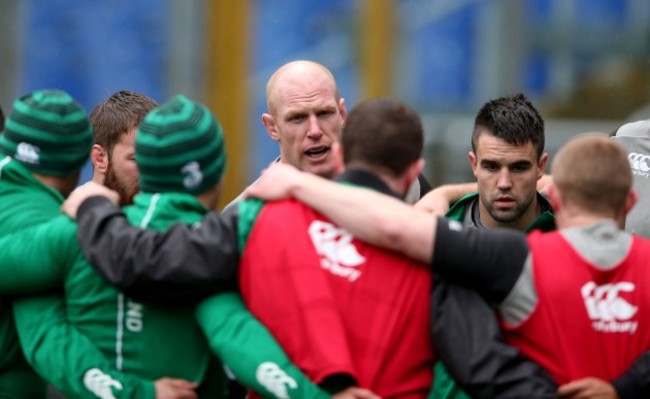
[(317, 153), (504, 201)]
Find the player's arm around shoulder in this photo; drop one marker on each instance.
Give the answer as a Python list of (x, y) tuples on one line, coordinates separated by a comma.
[(36, 259)]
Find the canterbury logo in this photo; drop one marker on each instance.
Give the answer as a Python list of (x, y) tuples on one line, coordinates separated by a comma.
[(101, 384), (607, 310), (275, 380), (334, 245), (28, 153), (192, 175), (639, 163)]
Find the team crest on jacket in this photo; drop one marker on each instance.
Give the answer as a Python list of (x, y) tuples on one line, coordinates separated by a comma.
[(639, 164), (607, 310), (337, 252)]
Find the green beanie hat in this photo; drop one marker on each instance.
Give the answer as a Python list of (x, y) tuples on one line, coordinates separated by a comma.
[(179, 147), (48, 132)]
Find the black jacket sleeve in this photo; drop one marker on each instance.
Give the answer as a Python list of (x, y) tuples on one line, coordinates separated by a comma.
[(466, 333), (635, 383), (181, 265), (469, 342), (487, 261)]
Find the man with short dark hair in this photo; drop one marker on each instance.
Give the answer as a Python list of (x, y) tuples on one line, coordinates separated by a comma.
[(507, 158)]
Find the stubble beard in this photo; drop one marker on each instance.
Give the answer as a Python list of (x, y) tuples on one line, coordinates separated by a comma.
[(114, 183), (510, 216)]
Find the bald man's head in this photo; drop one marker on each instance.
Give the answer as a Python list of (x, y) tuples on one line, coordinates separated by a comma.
[(305, 116), (299, 72)]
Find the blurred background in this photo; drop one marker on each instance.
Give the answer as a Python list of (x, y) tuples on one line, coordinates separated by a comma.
[(584, 63)]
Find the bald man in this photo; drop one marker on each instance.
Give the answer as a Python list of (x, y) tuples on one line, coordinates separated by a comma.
[(306, 116)]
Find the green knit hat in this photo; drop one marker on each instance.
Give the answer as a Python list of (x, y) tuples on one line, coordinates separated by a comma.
[(48, 132), (179, 147)]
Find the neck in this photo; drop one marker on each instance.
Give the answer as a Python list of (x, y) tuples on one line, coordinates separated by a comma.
[(398, 185), (569, 218), (209, 199), (99, 178), (64, 185)]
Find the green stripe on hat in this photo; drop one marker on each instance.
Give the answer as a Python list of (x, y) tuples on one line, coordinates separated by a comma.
[(48, 132), (179, 147)]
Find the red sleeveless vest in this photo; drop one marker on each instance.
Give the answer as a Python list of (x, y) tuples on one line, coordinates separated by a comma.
[(587, 322), (336, 304)]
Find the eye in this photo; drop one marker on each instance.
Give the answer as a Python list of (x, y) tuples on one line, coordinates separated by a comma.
[(325, 113), (296, 118), (520, 167), (492, 167)]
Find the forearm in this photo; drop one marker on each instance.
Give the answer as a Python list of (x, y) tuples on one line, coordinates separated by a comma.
[(250, 351), (370, 216), (454, 192), (438, 200), (182, 264), (68, 359)]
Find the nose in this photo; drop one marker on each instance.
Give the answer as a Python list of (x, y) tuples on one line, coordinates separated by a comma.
[(504, 182), (314, 131)]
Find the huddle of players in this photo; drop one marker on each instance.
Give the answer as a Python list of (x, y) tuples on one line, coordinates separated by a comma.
[(360, 319)]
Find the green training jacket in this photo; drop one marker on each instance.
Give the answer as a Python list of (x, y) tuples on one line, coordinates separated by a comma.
[(26, 202), (146, 340)]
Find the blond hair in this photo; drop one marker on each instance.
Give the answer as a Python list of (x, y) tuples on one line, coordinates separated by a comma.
[(592, 172)]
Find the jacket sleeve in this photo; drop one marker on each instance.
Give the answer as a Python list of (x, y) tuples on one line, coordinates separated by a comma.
[(28, 258), (469, 342), (182, 264), (488, 261), (54, 348), (635, 383), (68, 359), (250, 351), (17, 378)]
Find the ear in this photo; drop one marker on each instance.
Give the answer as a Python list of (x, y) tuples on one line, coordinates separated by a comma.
[(99, 158), (411, 174), (553, 197), (631, 200), (343, 110), (337, 158), (271, 127), (542, 165), (415, 169), (473, 162)]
